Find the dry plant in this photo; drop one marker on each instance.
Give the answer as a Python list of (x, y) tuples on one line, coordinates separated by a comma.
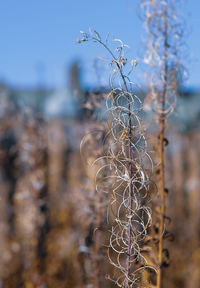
[(92, 252), (9, 247), (164, 39), (30, 199), (184, 207), (125, 170)]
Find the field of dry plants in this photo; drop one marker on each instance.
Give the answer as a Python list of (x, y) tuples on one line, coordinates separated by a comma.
[(110, 198)]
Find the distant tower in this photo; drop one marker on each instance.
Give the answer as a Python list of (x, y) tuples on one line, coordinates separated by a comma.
[(75, 83)]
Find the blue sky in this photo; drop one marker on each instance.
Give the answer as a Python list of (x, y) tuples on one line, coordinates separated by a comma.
[(38, 37)]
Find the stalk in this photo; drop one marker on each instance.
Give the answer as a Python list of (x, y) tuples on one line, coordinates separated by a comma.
[(128, 261), (163, 46), (162, 121), (127, 174)]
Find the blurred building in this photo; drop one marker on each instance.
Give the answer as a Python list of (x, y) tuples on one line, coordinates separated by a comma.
[(71, 102)]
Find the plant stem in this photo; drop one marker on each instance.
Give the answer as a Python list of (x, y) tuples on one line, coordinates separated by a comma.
[(162, 151), (130, 195), (128, 261)]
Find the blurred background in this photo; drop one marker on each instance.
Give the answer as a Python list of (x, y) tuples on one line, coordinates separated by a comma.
[(47, 81)]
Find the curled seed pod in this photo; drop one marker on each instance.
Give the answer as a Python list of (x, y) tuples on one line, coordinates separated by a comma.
[(166, 190), (165, 141)]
